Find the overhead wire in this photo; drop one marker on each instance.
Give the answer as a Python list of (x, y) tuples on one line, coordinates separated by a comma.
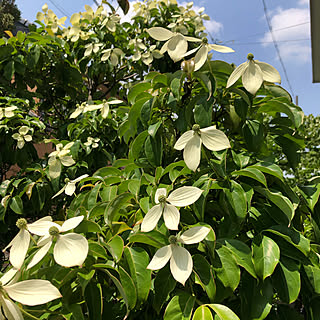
[(276, 46), (61, 9)]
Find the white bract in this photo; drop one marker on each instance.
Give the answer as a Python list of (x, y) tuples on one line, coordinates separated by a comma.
[(253, 73), (176, 44), (190, 141), (180, 259), (69, 250), (28, 292), (21, 136), (92, 142), (7, 112), (201, 56), (70, 186), (181, 197), (20, 243), (58, 157)]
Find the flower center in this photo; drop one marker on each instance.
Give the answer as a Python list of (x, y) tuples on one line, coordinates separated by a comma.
[(250, 56), (188, 66), (196, 128), (162, 198), (53, 231), (21, 223), (173, 240), (205, 40)]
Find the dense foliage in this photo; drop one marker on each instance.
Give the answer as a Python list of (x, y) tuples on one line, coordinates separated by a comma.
[(166, 166), (9, 14)]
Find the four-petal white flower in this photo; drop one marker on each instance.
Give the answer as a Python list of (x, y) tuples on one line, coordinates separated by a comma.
[(70, 186), (28, 292), (176, 44), (190, 141), (180, 259), (20, 243), (181, 197), (253, 73), (69, 250), (7, 112), (21, 136)]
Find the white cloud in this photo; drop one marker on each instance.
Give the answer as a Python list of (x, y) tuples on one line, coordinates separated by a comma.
[(303, 2), (213, 26), (296, 19)]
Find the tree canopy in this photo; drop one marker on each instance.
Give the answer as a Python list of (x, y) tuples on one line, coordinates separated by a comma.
[(165, 190)]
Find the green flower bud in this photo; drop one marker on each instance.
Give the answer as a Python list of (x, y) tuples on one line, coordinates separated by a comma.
[(53, 231), (162, 198), (196, 128), (250, 56), (21, 223), (173, 240), (188, 66)]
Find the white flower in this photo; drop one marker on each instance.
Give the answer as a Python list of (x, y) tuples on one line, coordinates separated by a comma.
[(191, 141), (28, 292), (113, 55), (203, 50), (92, 142), (7, 112), (22, 136), (92, 47), (58, 157), (176, 44), (69, 250), (180, 259), (181, 197), (20, 243), (253, 74), (70, 186)]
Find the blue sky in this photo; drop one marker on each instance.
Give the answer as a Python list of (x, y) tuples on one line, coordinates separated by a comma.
[(242, 25)]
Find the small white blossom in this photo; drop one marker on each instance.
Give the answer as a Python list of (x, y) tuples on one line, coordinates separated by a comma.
[(70, 249), (22, 136), (191, 141), (181, 197), (180, 259), (7, 112), (253, 73), (70, 186)]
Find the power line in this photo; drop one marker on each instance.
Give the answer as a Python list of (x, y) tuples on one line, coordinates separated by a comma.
[(262, 42), (279, 29), (276, 46), (61, 9)]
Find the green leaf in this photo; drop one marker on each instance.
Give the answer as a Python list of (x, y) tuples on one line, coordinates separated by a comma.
[(87, 226), (237, 198), (313, 275), (253, 133), (138, 260), (179, 307), (93, 298), (153, 150), (251, 173), (223, 312), (8, 70), (277, 105), (145, 112), (128, 287), (226, 268), (164, 284), (266, 255), (153, 238), (84, 278), (269, 168), (202, 110), (153, 128), (16, 205), (97, 250), (107, 172), (293, 244), (124, 5), (242, 254), (286, 280), (137, 89), (33, 56), (282, 202), (204, 275), (241, 108), (202, 313), (137, 145), (112, 210), (115, 247)]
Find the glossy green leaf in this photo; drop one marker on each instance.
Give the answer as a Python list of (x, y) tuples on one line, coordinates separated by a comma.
[(153, 238), (138, 260), (266, 255), (237, 198), (313, 275), (128, 287), (93, 296), (253, 133), (269, 168), (286, 280), (115, 247), (251, 173), (204, 275), (223, 311), (16, 205), (180, 307), (202, 313), (137, 89)]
